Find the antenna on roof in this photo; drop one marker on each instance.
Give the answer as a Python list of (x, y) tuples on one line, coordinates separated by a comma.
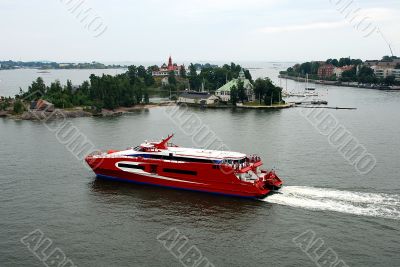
[(391, 51), (390, 48)]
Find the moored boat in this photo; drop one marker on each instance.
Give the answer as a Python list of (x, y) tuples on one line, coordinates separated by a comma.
[(165, 164)]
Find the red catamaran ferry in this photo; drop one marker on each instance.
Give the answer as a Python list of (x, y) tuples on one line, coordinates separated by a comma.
[(165, 164)]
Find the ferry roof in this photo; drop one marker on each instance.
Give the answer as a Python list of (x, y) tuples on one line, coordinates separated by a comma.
[(205, 153), (163, 148)]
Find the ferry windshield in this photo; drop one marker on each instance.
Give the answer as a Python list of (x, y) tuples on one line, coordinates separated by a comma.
[(138, 148), (235, 161), (237, 164)]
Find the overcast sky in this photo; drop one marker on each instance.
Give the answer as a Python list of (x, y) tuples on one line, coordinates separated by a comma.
[(198, 30)]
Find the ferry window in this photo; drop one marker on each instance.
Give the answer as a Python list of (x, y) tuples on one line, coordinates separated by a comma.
[(153, 168), (172, 157), (180, 171), (130, 166)]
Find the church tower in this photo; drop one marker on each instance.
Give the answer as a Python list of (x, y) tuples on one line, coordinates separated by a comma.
[(242, 77), (170, 65)]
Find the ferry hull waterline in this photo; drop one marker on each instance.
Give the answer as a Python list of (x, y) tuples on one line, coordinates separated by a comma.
[(167, 165)]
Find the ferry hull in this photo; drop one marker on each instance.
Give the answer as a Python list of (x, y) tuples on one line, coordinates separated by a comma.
[(138, 180)]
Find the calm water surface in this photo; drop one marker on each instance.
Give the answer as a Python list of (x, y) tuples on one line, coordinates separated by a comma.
[(99, 223)]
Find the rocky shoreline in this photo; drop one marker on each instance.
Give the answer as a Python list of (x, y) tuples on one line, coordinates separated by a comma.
[(340, 84), (79, 112)]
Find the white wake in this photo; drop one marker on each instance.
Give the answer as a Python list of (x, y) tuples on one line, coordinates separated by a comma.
[(358, 203)]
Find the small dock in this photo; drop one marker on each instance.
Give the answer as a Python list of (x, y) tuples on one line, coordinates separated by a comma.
[(311, 102), (344, 108), (281, 106)]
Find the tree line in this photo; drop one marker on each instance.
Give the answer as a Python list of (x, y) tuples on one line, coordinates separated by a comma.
[(133, 87), (311, 68), (214, 77), (104, 91), (264, 91), (358, 73)]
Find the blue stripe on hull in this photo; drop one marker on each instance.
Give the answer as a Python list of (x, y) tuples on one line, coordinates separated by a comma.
[(106, 177)]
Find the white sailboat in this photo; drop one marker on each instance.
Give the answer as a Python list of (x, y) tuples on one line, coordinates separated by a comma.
[(308, 87)]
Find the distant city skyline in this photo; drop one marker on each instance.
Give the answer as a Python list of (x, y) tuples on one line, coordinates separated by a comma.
[(197, 31)]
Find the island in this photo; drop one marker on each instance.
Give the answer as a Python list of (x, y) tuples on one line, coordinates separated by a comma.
[(201, 85), (47, 65), (376, 74)]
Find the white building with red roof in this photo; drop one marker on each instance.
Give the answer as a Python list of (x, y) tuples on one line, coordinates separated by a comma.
[(339, 70), (165, 69)]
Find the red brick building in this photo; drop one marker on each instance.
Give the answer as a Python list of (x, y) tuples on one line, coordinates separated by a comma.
[(326, 71)]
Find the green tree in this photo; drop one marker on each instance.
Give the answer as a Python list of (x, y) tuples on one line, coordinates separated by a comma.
[(55, 88), (19, 107), (366, 75), (305, 68), (248, 76), (241, 92), (85, 87), (182, 71), (141, 71), (356, 62), (192, 70), (349, 75), (314, 67), (150, 69), (139, 88), (260, 87), (36, 90), (194, 79), (171, 78), (234, 95), (344, 61), (69, 86), (215, 76), (149, 80), (265, 89), (4, 104), (132, 74), (146, 96), (390, 80)]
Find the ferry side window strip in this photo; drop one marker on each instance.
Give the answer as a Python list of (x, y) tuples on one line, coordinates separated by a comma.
[(169, 157), (180, 171), (130, 166)]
